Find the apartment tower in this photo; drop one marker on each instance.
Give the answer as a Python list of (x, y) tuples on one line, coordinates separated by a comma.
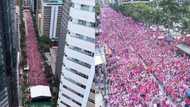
[(78, 65), (49, 15)]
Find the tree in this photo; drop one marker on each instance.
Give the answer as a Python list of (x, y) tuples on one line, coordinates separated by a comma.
[(139, 11), (170, 9), (176, 12), (97, 8), (168, 13), (44, 43), (185, 16)]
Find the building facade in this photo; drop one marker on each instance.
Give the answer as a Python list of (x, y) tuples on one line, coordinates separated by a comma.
[(8, 54), (62, 37), (49, 18), (78, 65), (32, 4)]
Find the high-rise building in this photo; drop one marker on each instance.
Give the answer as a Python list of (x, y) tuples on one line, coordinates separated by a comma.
[(8, 54), (78, 65), (32, 4), (49, 18), (62, 37)]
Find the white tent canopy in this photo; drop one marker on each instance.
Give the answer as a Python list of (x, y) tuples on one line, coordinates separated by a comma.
[(40, 91)]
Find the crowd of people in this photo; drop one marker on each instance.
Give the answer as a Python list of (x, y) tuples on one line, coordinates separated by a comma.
[(142, 63), (34, 59)]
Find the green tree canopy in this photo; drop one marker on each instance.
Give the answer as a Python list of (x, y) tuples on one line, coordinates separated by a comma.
[(44, 43), (160, 12)]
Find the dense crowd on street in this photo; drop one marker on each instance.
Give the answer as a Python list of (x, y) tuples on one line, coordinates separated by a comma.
[(34, 59), (143, 65)]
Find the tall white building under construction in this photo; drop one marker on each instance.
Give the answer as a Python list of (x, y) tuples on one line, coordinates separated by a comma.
[(78, 67)]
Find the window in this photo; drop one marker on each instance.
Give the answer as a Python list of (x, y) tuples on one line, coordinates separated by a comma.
[(93, 9), (92, 24), (79, 62), (82, 22), (86, 38), (72, 5), (84, 7), (79, 36), (92, 40)]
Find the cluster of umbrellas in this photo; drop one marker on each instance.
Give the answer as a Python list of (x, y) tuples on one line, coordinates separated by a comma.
[(142, 63), (34, 59)]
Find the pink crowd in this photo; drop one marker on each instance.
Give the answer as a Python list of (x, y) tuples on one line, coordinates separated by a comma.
[(143, 66), (34, 59)]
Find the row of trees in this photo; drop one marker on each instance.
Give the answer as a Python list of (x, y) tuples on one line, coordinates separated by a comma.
[(24, 77), (45, 43), (170, 13)]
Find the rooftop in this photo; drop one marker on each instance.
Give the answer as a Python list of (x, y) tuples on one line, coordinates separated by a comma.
[(40, 91)]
